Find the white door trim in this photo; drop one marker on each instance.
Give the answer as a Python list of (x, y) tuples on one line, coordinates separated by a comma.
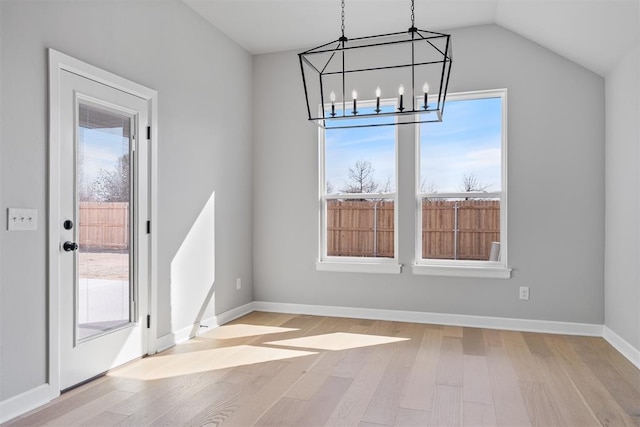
[(59, 62)]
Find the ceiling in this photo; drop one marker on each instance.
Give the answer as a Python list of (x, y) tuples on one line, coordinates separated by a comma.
[(593, 33)]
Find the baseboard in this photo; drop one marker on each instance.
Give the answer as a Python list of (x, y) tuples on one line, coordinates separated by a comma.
[(542, 326), (25, 402), (626, 349), (164, 342), (185, 334), (40, 395), (525, 325)]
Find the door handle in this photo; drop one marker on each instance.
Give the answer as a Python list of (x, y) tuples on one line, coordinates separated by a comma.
[(70, 246)]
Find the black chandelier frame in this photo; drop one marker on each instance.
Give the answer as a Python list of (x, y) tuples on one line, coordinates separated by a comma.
[(317, 65)]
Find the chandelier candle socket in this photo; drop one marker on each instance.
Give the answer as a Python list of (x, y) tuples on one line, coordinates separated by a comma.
[(376, 64), (332, 97), (425, 89), (354, 94), (401, 93)]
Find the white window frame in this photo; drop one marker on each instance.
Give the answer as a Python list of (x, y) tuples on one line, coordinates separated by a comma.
[(354, 264), (465, 268)]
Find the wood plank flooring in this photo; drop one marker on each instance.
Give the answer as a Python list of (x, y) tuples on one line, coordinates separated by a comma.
[(269, 369)]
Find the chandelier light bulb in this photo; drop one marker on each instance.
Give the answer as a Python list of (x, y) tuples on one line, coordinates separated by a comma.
[(354, 94), (401, 90), (332, 96), (425, 88), (378, 92)]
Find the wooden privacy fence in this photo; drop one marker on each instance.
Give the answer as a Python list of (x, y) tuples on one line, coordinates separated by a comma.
[(461, 229), (104, 225), (361, 228)]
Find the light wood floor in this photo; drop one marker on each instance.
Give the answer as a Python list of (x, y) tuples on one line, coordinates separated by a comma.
[(270, 369)]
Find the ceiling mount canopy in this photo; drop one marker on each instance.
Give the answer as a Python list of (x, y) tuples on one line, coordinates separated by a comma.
[(396, 74)]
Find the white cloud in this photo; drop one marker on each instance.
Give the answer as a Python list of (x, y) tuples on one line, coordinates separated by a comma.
[(481, 159)]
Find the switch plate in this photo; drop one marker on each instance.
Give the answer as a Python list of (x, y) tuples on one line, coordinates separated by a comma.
[(524, 293), (22, 219)]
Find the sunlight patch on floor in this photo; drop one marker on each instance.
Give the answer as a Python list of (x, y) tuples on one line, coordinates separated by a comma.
[(241, 330), (157, 367), (337, 341)]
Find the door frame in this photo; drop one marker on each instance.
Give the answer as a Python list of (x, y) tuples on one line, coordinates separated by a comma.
[(58, 63)]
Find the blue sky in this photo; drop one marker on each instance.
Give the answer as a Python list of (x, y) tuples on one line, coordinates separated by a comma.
[(101, 148), (344, 147), (467, 142)]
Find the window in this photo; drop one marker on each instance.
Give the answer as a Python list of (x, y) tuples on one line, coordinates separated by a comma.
[(461, 188), (358, 214)]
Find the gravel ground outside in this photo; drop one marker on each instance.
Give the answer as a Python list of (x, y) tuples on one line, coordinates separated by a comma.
[(104, 265)]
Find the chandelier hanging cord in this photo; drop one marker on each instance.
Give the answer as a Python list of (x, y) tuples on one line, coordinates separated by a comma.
[(343, 38), (413, 28)]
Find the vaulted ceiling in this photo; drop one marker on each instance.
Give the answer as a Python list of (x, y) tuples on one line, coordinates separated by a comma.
[(593, 33)]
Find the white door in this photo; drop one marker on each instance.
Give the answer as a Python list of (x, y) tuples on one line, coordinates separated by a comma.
[(104, 245)]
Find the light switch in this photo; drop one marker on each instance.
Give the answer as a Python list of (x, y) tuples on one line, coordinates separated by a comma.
[(22, 219)]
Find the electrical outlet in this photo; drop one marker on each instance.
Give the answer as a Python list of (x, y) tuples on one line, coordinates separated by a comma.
[(524, 293), (22, 219), (238, 283)]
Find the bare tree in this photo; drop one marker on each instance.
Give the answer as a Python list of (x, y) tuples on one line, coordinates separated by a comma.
[(427, 187), (430, 188), (84, 186), (330, 187), (471, 184), (113, 185), (386, 188), (361, 176)]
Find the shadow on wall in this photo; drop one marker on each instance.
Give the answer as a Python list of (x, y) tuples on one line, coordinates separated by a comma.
[(193, 274)]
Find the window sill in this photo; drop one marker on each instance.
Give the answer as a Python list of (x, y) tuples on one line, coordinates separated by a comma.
[(359, 267), (481, 272)]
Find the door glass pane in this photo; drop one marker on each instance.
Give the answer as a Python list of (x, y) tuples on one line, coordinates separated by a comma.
[(104, 196)]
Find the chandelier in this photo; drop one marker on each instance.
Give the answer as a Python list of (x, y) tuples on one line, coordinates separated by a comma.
[(397, 74)]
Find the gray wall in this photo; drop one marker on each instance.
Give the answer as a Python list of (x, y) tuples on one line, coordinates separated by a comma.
[(204, 84), (556, 191), (622, 253), (1, 267)]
